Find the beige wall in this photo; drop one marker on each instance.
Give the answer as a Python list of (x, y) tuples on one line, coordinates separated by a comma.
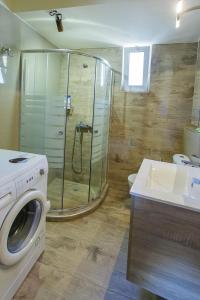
[(24, 5), (6, 3), (196, 98), (16, 35), (150, 125)]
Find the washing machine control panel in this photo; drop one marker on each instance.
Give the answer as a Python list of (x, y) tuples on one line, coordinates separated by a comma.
[(27, 181)]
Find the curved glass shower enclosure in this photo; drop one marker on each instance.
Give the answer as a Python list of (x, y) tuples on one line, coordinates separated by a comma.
[(65, 110)]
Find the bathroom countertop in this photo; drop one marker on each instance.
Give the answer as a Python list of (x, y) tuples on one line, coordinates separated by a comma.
[(168, 183)]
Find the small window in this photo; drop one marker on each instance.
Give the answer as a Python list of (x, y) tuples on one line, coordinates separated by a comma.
[(136, 69)]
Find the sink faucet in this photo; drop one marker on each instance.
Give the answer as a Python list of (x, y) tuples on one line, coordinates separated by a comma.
[(195, 181)]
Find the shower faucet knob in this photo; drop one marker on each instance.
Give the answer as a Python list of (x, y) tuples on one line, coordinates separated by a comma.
[(42, 172), (60, 132)]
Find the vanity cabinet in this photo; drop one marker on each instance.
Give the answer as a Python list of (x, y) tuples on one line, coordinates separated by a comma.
[(164, 249)]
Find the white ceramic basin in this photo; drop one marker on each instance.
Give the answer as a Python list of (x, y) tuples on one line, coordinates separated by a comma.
[(169, 183), (167, 178), (162, 178)]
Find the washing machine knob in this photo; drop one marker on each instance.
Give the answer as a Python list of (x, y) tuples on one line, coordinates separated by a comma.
[(41, 172)]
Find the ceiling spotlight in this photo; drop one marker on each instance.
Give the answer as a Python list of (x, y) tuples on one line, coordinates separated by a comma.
[(58, 19)]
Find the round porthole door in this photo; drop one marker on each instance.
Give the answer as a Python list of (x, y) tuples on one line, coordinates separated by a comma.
[(21, 227)]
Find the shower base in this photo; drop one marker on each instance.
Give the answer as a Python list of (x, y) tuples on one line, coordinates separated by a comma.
[(75, 200), (75, 194)]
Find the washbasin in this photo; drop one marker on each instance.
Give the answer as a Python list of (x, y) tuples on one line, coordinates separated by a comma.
[(167, 178), (167, 182)]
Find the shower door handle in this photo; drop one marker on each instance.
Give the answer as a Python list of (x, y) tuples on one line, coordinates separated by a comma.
[(60, 132)]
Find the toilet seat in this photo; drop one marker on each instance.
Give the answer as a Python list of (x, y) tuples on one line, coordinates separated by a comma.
[(180, 158)]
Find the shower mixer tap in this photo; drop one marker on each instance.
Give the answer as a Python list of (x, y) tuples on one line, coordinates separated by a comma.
[(80, 129)]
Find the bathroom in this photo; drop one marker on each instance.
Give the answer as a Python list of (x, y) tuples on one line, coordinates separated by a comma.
[(63, 95)]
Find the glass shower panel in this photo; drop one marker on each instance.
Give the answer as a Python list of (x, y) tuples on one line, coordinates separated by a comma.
[(56, 106), (43, 114), (32, 131), (79, 131), (106, 123), (100, 129)]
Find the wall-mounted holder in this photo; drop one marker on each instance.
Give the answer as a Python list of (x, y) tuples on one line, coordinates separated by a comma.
[(58, 19), (6, 51)]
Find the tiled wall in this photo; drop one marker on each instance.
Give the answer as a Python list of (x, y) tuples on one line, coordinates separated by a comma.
[(196, 98), (16, 35), (150, 125)]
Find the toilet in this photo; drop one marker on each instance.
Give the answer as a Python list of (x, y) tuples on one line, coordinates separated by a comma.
[(131, 179), (180, 159), (191, 148)]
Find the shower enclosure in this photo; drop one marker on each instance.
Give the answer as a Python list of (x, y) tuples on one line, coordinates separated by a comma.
[(65, 110)]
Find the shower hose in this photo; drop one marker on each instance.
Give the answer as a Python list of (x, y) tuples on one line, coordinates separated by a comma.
[(74, 168)]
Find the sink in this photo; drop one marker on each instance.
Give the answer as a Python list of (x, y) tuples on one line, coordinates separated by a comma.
[(167, 178), (169, 183)]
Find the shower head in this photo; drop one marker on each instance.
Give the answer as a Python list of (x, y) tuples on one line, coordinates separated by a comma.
[(58, 18)]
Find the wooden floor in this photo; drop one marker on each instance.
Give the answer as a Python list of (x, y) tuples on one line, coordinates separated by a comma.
[(86, 259), (75, 194)]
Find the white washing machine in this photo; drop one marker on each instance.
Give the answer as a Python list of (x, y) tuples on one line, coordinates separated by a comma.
[(23, 209)]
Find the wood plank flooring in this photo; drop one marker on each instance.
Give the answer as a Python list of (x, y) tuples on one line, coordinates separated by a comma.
[(86, 259)]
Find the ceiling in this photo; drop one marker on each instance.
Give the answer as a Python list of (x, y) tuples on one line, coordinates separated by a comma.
[(123, 23)]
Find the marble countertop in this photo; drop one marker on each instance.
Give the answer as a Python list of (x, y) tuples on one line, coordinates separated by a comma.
[(168, 183)]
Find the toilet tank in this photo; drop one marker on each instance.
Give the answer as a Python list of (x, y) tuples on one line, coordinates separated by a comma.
[(191, 143)]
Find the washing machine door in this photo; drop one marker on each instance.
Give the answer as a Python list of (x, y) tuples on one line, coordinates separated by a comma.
[(22, 226)]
